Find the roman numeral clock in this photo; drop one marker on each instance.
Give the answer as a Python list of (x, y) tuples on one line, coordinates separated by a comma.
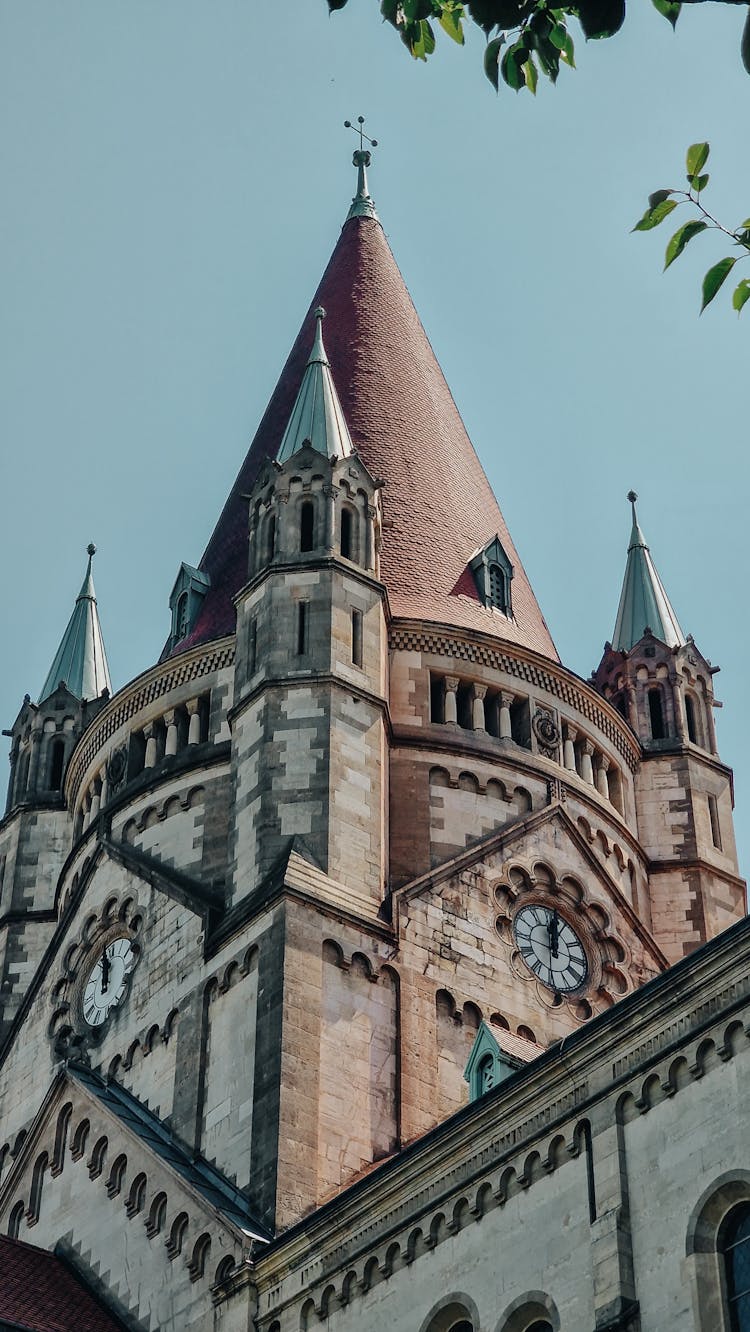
[(96, 978), (550, 947)]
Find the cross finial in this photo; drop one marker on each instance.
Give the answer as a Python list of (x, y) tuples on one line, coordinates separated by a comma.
[(362, 136), (362, 205)]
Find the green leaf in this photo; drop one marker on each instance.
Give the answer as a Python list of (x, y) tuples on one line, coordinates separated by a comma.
[(741, 294), (450, 22), (658, 197), (532, 76), (568, 52), (653, 216), (511, 67), (492, 59), (669, 8), (680, 239), (745, 43), (601, 18), (422, 43), (698, 183), (714, 279), (697, 156)]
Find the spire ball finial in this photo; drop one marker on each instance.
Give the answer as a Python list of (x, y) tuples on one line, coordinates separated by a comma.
[(91, 548), (632, 496), (319, 312)]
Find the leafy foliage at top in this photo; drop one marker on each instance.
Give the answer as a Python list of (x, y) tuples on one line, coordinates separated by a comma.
[(663, 202), (524, 37)]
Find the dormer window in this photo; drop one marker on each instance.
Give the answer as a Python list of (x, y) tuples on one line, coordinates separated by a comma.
[(493, 572), (489, 1063), (190, 587)]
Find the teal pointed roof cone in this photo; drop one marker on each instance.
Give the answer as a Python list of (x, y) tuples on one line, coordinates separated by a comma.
[(81, 661), (644, 603), (317, 416)]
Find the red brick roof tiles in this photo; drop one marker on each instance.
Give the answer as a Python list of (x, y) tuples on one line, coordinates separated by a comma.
[(39, 1291), (437, 503)]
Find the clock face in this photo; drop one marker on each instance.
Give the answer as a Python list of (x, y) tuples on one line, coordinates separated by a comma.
[(107, 981), (550, 947)]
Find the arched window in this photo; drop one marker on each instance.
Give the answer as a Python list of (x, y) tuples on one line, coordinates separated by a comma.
[(57, 759), (735, 1245), (486, 1074), (306, 525), (346, 544), (656, 714), (496, 578), (271, 538), (182, 620), (692, 721)]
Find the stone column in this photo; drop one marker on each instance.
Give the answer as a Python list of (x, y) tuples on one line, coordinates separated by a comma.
[(602, 786), (569, 748), (478, 692), (170, 748), (103, 787), (252, 537), (680, 720), (370, 537), (150, 758), (587, 770), (615, 1299), (95, 801), (330, 498), (36, 749), (194, 730), (451, 702), (708, 712), (504, 718)]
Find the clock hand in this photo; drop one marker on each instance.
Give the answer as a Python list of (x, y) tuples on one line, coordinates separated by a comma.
[(553, 931), (106, 968)]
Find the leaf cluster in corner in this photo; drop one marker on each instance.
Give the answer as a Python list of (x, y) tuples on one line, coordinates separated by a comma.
[(664, 201)]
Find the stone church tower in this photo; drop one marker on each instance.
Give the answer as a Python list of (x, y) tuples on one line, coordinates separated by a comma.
[(356, 850)]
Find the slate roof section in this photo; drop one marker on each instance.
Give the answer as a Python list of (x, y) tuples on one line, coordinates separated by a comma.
[(217, 1191), (38, 1291), (80, 660), (438, 506), (644, 603)]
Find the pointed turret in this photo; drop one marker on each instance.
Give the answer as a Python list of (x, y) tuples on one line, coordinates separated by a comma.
[(644, 603), (438, 507), (81, 661), (317, 417)]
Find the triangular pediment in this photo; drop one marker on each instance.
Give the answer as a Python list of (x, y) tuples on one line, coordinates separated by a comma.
[(542, 856), (92, 1148)]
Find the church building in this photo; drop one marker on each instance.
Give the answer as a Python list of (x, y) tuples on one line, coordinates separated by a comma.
[(361, 965)]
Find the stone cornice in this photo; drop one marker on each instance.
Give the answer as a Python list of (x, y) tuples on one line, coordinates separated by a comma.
[(535, 670), (145, 689)]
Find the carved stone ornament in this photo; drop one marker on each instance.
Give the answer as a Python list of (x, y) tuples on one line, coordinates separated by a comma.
[(117, 767), (547, 733)]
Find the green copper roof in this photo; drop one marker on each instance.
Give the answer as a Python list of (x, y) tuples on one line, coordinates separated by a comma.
[(317, 417), (644, 603), (81, 662)]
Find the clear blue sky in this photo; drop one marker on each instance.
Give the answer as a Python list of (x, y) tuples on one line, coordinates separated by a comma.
[(175, 175)]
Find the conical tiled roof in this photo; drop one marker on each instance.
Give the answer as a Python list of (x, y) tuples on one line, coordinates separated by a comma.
[(80, 661), (437, 503), (644, 603)]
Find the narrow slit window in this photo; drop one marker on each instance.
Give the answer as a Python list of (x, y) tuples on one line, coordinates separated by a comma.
[(346, 534), (692, 728), (301, 628), (357, 637), (437, 699), (656, 714), (271, 538), (252, 647), (306, 526), (713, 814), (56, 766)]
